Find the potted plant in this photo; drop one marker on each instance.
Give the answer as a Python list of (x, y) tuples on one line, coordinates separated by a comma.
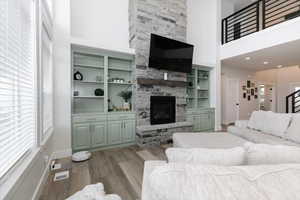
[(126, 95)]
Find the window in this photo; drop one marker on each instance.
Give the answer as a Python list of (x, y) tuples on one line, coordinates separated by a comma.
[(47, 71), (17, 82)]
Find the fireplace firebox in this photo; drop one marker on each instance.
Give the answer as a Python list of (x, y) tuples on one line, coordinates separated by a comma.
[(162, 109)]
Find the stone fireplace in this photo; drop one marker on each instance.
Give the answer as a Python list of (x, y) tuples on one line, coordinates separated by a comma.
[(162, 109), (166, 18)]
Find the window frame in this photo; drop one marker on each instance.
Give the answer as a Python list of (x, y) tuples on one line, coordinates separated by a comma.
[(46, 23)]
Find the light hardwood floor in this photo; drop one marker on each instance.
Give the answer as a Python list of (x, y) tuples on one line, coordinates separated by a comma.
[(120, 170)]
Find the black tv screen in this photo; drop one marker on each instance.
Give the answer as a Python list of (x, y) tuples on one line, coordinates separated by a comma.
[(170, 54)]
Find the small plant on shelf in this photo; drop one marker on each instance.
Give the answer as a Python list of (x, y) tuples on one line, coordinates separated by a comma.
[(126, 95)]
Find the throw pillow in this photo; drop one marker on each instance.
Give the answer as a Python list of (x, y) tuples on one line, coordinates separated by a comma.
[(265, 154), (225, 157)]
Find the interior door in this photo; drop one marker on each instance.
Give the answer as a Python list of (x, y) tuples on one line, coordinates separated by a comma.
[(232, 100)]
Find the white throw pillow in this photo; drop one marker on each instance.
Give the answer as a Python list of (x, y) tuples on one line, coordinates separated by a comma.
[(257, 120), (225, 157), (265, 154), (293, 132), (276, 123)]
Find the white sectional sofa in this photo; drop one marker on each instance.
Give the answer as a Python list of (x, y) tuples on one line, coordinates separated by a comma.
[(269, 128)]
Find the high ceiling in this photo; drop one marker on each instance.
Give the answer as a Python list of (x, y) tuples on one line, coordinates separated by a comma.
[(239, 4), (283, 55)]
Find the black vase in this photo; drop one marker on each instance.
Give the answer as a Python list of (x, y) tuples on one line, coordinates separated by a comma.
[(78, 76), (99, 92)]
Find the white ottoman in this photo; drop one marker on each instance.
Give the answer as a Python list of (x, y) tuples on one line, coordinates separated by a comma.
[(214, 140)]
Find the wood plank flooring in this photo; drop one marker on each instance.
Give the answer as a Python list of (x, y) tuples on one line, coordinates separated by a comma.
[(120, 170)]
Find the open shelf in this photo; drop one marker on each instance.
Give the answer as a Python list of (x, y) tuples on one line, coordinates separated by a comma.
[(88, 66), (88, 97), (198, 88), (89, 82)]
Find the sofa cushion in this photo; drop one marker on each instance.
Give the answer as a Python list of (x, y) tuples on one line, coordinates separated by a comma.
[(293, 132), (226, 157), (265, 154), (195, 182), (259, 137), (257, 120), (207, 140), (276, 123)]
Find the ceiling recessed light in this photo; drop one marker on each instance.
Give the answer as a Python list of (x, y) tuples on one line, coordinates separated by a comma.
[(279, 66), (247, 58), (265, 63)]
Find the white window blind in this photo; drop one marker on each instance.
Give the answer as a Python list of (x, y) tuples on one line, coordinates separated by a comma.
[(17, 85)]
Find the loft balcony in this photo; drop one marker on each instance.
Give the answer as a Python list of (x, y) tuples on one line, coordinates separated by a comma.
[(261, 26), (258, 16)]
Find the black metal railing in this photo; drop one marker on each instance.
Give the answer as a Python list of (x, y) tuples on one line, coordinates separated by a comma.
[(293, 102), (258, 16)]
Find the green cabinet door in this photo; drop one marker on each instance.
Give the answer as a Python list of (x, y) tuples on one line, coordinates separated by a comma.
[(98, 134), (205, 122), (81, 136), (128, 132), (114, 132)]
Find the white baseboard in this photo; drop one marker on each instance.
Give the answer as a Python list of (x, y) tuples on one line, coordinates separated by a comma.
[(62, 154)]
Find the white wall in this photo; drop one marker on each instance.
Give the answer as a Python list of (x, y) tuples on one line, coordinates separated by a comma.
[(282, 33), (203, 31), (105, 23), (227, 8), (62, 78), (283, 78), (246, 107)]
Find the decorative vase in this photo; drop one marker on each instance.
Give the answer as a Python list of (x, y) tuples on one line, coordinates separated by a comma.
[(126, 106), (99, 92), (78, 76)]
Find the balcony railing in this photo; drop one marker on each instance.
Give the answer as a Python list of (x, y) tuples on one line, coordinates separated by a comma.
[(257, 16)]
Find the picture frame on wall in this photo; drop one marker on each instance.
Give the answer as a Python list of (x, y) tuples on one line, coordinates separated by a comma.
[(249, 98), (252, 92), (256, 90), (256, 96), (248, 91), (244, 95)]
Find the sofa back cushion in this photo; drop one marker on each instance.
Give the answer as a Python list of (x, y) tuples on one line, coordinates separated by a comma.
[(225, 157), (265, 154), (276, 124), (257, 120), (293, 132), (268, 122), (195, 182)]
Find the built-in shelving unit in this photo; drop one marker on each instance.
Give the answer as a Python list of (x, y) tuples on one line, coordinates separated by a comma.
[(198, 99), (101, 117)]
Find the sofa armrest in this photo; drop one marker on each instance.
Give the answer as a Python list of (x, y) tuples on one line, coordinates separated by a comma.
[(241, 123), (149, 166)]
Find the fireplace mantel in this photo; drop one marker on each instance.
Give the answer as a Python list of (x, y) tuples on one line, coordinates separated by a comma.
[(169, 83)]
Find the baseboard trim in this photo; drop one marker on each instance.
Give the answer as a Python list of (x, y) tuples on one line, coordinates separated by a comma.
[(62, 154)]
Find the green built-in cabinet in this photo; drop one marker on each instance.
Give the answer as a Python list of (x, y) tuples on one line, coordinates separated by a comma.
[(102, 120), (198, 99)]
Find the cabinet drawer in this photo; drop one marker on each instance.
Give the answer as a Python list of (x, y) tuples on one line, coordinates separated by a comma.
[(83, 119), (120, 117)]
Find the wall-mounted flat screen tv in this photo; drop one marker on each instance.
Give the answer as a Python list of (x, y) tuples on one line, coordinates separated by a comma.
[(170, 54)]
